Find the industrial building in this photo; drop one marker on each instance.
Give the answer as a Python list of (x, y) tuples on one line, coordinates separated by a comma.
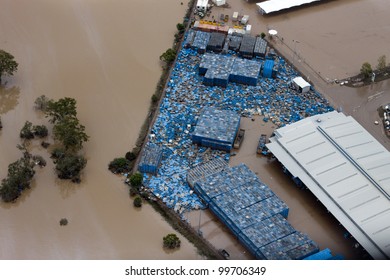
[(346, 168), (272, 6)]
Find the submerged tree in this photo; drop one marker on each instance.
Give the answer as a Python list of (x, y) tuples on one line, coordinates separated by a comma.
[(8, 65), (171, 241)]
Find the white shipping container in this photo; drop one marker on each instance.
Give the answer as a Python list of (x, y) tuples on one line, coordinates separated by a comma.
[(245, 19), (248, 29), (235, 16)]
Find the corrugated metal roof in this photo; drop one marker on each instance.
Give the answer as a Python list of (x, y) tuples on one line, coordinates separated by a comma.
[(347, 169), (270, 6)]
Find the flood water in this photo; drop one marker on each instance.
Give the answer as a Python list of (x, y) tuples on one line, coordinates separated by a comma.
[(105, 54), (334, 37)]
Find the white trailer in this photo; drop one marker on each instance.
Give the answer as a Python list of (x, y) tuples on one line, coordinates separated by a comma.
[(202, 5), (300, 84)]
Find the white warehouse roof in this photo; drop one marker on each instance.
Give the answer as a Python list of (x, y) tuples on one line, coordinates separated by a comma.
[(347, 169), (270, 6)]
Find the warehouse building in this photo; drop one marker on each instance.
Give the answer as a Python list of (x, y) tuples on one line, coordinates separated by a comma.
[(346, 168)]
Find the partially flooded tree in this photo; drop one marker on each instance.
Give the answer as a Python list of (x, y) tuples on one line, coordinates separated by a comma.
[(41, 103), (27, 131), (58, 110), (171, 241), (20, 174), (381, 63), (168, 56), (70, 133), (366, 69), (69, 166), (8, 65)]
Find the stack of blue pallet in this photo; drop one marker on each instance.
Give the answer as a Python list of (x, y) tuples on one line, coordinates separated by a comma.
[(220, 69), (253, 213), (216, 42), (325, 254), (150, 159), (204, 170), (216, 129), (265, 232), (200, 41), (245, 72), (247, 46), (234, 42), (294, 246), (260, 48), (216, 69), (189, 39), (268, 66)]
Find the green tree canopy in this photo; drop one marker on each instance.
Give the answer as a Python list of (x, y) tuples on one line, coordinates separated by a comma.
[(42, 102), (70, 166), (136, 179), (137, 201), (180, 27), (8, 65), (120, 165), (366, 69), (20, 174), (168, 56), (70, 133), (171, 241), (381, 63), (27, 131), (58, 110)]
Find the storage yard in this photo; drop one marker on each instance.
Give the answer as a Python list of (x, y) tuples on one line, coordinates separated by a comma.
[(181, 117), (285, 98)]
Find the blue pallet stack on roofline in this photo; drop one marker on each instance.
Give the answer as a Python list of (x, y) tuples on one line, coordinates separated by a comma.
[(150, 159), (216, 129), (251, 211)]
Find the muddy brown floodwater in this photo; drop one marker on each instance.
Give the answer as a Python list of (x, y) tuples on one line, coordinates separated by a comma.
[(105, 54)]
